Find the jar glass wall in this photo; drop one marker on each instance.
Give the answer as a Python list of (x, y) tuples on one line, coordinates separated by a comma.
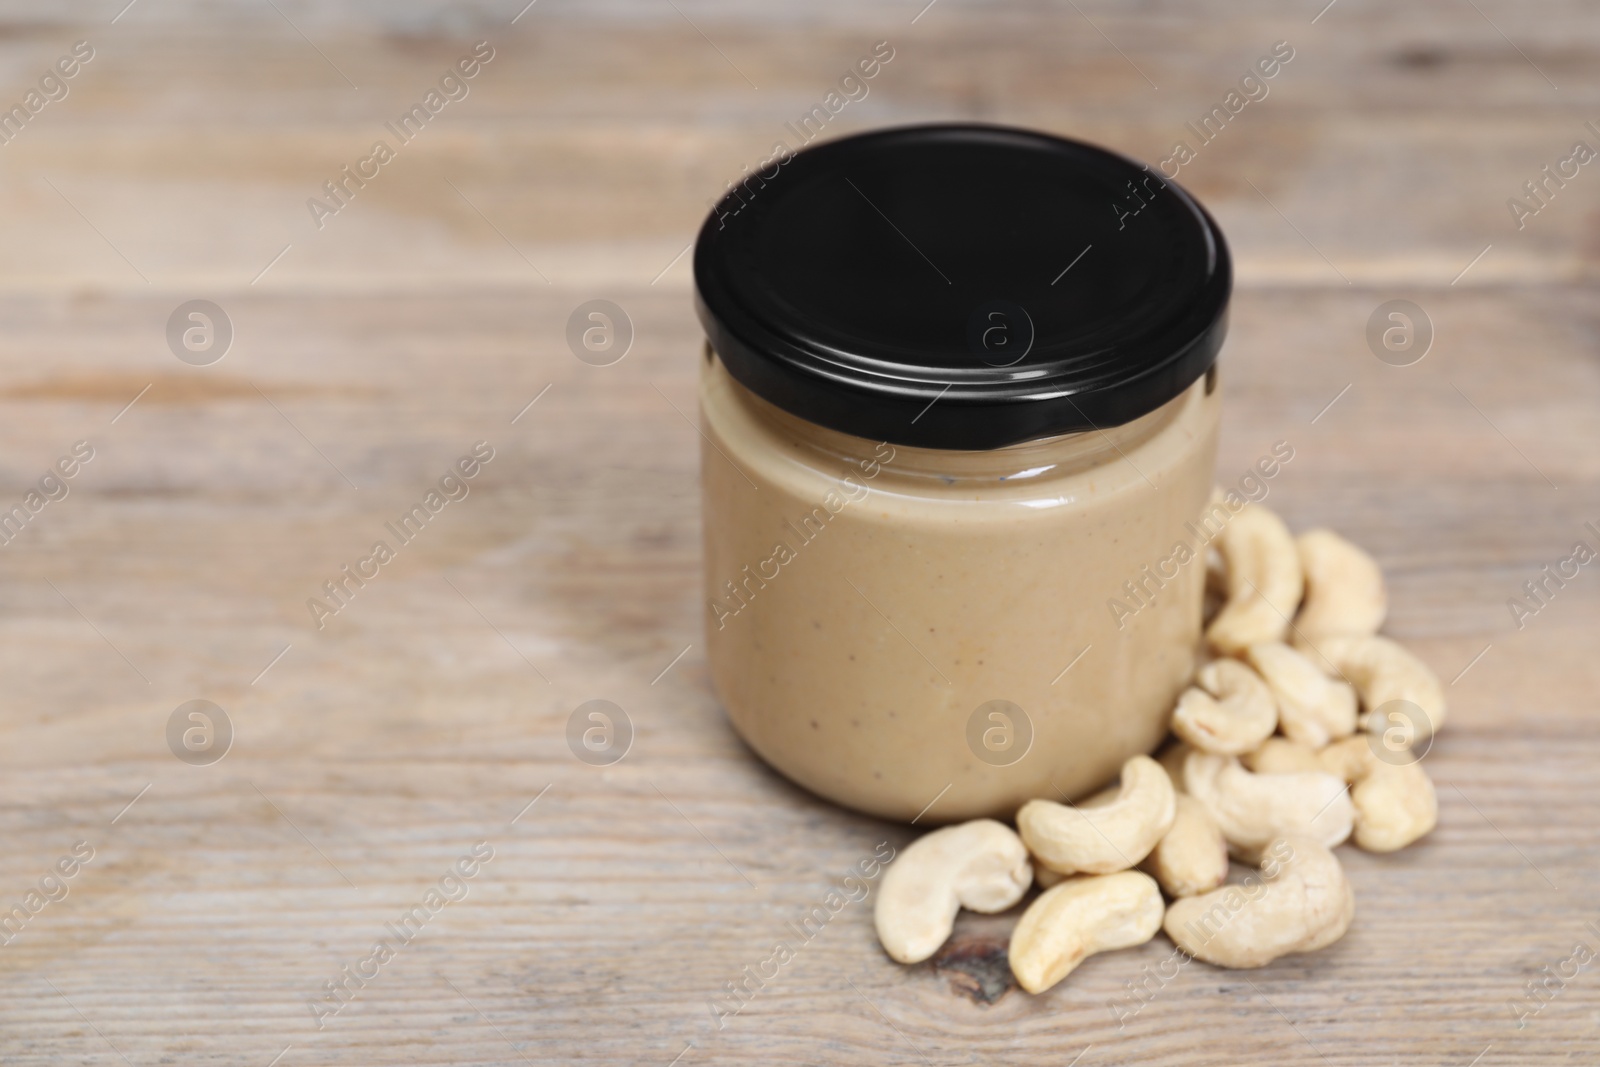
[(896, 627)]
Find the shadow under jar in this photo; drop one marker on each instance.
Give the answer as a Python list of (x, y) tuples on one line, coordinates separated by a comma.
[(960, 417)]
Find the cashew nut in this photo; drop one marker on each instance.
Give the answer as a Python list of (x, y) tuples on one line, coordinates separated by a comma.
[(1252, 809), (1312, 707), (1264, 581), (1279, 755), (1192, 857), (1302, 903), (1172, 759), (981, 865), (1383, 671), (1395, 803), (1045, 878), (1110, 837), (1349, 759), (1230, 711), (1079, 917), (1216, 592), (1344, 588)]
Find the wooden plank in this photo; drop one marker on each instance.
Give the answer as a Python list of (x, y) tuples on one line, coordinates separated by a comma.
[(594, 146)]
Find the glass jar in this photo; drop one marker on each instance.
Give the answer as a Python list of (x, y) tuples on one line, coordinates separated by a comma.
[(951, 561)]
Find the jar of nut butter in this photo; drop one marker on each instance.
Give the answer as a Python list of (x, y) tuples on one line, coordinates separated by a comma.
[(959, 410)]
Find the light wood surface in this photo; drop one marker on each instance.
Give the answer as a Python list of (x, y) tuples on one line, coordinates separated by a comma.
[(431, 711)]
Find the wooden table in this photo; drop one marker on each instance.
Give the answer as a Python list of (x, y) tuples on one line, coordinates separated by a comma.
[(430, 713)]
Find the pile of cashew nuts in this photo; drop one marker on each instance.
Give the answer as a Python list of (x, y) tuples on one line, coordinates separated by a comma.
[(1288, 743)]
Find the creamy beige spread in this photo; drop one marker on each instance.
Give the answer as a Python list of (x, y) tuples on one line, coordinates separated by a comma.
[(887, 626)]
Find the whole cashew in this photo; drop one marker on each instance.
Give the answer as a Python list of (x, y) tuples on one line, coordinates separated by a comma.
[(1264, 581), (1229, 712), (1382, 671), (1216, 591), (1303, 903), (1079, 917), (1279, 755), (1109, 837), (1045, 878), (1192, 857), (1395, 803), (981, 865), (1350, 759), (1312, 708), (1344, 588), (1172, 759), (1252, 809)]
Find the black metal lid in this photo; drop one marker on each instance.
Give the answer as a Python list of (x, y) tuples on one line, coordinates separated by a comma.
[(962, 286)]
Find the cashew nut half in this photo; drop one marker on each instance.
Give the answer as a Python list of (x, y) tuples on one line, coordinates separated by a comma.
[(1344, 588), (1302, 903), (981, 865), (1231, 711), (1079, 917), (1312, 708), (1264, 581), (1279, 755), (1109, 837), (1395, 802), (1382, 671), (1252, 809), (1192, 857)]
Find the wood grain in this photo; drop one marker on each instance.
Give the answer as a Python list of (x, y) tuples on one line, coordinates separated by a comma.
[(428, 714)]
